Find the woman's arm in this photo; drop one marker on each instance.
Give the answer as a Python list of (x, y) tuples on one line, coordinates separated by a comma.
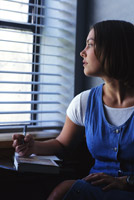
[(69, 137)]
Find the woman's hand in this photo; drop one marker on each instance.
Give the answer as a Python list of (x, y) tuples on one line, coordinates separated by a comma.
[(108, 182), (24, 146)]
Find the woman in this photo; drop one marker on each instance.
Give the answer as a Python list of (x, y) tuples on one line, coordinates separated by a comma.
[(106, 112)]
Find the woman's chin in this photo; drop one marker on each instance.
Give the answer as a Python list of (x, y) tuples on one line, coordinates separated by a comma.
[(88, 73)]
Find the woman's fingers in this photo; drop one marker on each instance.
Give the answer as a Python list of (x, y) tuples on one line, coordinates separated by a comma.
[(106, 181)]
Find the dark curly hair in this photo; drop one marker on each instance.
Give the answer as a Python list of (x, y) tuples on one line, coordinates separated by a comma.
[(114, 48)]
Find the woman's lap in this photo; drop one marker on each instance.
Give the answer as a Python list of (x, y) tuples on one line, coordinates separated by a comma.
[(82, 190)]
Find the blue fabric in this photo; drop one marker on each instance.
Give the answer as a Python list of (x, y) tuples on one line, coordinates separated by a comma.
[(112, 147), (82, 190)]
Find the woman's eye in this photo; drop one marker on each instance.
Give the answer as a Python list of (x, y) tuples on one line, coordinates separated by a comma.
[(90, 45)]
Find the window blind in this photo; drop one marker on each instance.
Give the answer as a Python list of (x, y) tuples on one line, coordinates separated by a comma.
[(37, 59)]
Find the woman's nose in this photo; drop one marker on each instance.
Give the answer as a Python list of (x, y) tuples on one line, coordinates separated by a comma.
[(82, 53)]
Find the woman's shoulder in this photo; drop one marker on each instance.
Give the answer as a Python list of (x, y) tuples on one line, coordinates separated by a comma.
[(83, 95), (77, 107)]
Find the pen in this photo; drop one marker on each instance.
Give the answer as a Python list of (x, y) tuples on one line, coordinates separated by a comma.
[(24, 132)]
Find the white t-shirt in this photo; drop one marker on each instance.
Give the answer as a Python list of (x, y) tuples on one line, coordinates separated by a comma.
[(77, 109)]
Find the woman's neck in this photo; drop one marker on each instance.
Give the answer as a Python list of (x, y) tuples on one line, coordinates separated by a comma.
[(115, 94)]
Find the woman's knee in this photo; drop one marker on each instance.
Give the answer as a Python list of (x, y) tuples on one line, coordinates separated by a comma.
[(60, 190)]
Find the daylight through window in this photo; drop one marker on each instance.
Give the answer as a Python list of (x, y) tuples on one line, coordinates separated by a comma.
[(37, 58)]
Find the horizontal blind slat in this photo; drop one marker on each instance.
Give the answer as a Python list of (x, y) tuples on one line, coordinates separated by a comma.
[(27, 83), (30, 73), (28, 112), (36, 93), (29, 102)]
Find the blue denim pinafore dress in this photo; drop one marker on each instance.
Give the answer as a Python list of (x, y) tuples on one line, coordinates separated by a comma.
[(111, 146)]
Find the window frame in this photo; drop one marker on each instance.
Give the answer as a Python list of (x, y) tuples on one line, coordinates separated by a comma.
[(35, 54)]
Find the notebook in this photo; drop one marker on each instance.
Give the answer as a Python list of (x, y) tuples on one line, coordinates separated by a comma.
[(34, 163)]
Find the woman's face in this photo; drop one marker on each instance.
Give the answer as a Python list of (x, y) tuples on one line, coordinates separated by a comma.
[(92, 66)]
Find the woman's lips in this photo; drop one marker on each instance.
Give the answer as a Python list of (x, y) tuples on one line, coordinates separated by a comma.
[(84, 63)]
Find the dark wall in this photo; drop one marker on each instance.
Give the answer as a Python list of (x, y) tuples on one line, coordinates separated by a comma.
[(90, 12), (81, 33)]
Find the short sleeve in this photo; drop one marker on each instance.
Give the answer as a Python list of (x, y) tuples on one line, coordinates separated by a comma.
[(77, 108)]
